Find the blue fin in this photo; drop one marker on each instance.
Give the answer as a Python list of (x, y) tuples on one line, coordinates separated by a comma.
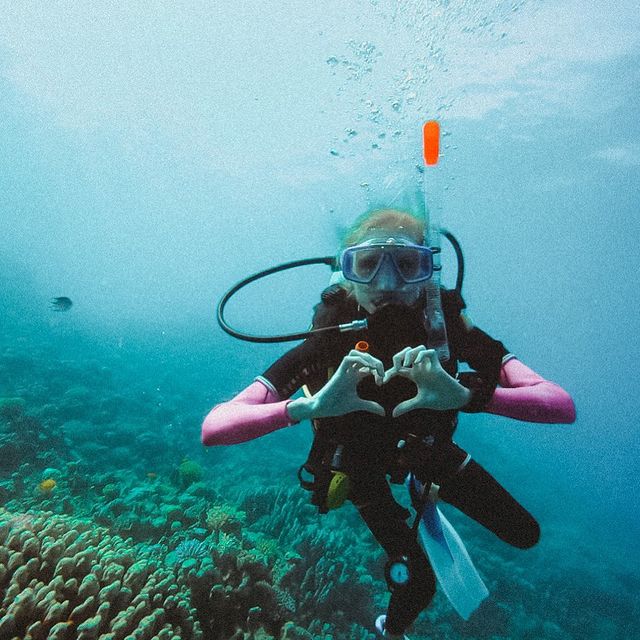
[(450, 560)]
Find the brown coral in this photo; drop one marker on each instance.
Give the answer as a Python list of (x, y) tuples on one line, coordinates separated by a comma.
[(226, 518), (65, 579)]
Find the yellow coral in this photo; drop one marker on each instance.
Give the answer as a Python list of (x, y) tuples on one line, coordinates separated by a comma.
[(48, 485)]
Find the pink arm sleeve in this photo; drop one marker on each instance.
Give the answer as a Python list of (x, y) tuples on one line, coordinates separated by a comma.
[(524, 395), (254, 412)]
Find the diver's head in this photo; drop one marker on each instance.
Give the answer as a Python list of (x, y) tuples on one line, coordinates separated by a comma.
[(384, 259)]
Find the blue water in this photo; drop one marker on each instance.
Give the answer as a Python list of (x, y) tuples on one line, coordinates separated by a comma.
[(153, 155)]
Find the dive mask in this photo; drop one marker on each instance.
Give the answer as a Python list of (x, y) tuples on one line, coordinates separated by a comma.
[(362, 262)]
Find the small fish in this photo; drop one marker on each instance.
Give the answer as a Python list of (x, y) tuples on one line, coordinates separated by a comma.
[(61, 304)]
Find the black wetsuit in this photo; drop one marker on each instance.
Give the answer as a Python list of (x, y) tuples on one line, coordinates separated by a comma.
[(369, 443)]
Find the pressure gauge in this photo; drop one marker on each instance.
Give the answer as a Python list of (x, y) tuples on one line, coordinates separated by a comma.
[(397, 572)]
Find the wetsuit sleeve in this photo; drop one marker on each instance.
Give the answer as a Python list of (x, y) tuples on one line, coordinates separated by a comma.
[(254, 412), (262, 407), (479, 350), (525, 395)]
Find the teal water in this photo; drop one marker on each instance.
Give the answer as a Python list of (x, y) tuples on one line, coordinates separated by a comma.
[(151, 157)]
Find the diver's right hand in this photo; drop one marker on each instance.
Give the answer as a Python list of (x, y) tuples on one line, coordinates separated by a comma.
[(340, 396)]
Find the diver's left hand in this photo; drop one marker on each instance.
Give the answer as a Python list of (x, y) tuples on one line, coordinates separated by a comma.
[(436, 388)]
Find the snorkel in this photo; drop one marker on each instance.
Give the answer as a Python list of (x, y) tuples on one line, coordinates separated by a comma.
[(432, 182)]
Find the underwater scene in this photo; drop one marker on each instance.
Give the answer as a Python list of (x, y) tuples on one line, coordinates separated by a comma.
[(153, 155)]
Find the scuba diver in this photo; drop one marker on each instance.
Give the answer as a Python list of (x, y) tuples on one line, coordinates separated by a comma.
[(384, 402)]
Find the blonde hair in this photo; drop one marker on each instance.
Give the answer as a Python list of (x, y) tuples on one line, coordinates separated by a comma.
[(388, 220)]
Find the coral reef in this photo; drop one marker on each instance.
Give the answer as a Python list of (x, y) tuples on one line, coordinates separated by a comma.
[(118, 526), (229, 586), (63, 579)]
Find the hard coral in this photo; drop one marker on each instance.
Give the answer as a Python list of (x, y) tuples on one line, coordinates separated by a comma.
[(11, 408), (226, 518), (65, 579), (190, 550), (237, 600), (47, 485), (189, 472)]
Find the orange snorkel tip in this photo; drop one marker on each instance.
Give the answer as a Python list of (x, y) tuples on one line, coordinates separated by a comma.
[(431, 142)]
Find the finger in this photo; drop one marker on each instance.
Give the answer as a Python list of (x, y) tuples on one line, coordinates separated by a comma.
[(371, 407), (354, 353), (404, 407), (433, 357), (388, 374), (398, 358), (413, 354), (368, 371), (396, 371), (422, 357), (364, 371), (351, 364), (403, 372), (368, 360)]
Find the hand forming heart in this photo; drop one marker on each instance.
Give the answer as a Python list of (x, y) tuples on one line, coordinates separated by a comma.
[(436, 389)]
